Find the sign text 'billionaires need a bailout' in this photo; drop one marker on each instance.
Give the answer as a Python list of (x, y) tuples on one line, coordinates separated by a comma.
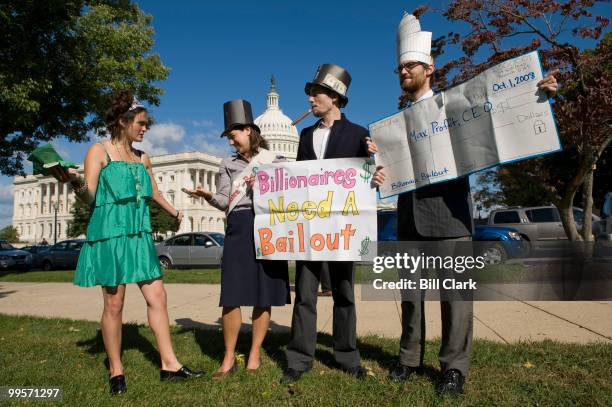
[(314, 210)]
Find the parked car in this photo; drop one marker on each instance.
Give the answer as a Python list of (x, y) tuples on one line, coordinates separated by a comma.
[(12, 258), (36, 252), (538, 225), (191, 250), (496, 244), (64, 255)]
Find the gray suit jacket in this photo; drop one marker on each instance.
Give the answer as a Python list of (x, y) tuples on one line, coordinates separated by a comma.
[(437, 211)]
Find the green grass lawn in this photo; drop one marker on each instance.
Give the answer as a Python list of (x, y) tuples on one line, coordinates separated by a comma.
[(70, 354), (183, 276), (198, 276)]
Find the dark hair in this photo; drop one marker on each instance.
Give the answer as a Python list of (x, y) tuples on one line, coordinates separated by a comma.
[(256, 140), (120, 110)]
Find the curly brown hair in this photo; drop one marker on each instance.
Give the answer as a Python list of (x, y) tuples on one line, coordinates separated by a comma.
[(120, 111)]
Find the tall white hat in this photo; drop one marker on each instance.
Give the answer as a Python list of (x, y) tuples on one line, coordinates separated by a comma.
[(412, 43)]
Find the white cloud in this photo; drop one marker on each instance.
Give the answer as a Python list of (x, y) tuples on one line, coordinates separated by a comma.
[(202, 123), (63, 152), (211, 143), (163, 138), (167, 138)]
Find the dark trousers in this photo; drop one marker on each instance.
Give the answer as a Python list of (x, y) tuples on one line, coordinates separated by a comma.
[(301, 348), (457, 332), (325, 278)]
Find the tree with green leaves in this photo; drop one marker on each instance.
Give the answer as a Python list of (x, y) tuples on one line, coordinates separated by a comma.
[(60, 62), (9, 233), (161, 222), (80, 213)]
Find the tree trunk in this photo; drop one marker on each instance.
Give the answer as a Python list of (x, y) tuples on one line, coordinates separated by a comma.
[(587, 207), (567, 218)]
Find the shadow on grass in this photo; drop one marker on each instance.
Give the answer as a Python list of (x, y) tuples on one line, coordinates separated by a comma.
[(131, 339), (209, 338)]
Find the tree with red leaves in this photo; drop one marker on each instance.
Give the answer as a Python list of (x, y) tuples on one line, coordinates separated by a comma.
[(504, 29)]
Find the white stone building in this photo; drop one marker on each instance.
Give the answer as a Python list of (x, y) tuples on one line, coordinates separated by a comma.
[(276, 127)]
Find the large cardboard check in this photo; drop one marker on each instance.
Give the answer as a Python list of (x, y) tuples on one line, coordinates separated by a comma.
[(314, 210), (496, 117)]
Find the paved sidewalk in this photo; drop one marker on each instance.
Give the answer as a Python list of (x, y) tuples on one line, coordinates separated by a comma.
[(197, 305)]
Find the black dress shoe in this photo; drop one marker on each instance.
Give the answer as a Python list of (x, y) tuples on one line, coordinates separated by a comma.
[(181, 374), (117, 384), (292, 375), (452, 383), (358, 371), (402, 372)]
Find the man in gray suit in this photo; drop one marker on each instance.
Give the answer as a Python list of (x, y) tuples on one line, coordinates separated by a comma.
[(435, 212), (439, 212)]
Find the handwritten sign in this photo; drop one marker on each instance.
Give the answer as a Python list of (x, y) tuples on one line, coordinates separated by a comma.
[(497, 117), (314, 210)]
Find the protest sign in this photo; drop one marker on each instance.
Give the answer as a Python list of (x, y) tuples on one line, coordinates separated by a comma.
[(497, 117), (314, 210)]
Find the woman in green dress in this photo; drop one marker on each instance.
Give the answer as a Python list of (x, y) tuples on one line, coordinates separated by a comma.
[(119, 184)]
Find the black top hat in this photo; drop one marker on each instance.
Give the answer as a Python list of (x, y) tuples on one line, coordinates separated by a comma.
[(237, 113), (332, 77)]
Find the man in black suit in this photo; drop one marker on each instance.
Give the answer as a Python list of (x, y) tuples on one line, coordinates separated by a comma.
[(333, 136)]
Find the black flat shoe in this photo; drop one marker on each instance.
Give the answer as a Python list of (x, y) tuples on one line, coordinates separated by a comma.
[(292, 375), (402, 373), (181, 374), (452, 384), (358, 371), (117, 384)]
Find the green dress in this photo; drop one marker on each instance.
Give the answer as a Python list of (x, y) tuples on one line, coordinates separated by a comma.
[(119, 247)]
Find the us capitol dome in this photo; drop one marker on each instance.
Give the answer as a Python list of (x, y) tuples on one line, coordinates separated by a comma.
[(276, 128)]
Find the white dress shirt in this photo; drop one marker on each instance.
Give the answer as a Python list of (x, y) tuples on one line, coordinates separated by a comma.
[(319, 140)]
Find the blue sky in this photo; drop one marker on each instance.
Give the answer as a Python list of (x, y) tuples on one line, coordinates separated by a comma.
[(218, 51)]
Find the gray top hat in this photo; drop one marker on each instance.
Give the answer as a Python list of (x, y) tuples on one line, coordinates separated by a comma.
[(332, 77), (237, 113)]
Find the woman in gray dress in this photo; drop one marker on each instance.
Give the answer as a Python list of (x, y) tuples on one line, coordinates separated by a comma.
[(245, 281)]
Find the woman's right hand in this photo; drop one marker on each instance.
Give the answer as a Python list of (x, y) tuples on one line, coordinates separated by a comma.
[(177, 222), (63, 174)]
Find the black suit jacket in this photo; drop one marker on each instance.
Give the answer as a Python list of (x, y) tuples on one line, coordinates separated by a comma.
[(346, 140)]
